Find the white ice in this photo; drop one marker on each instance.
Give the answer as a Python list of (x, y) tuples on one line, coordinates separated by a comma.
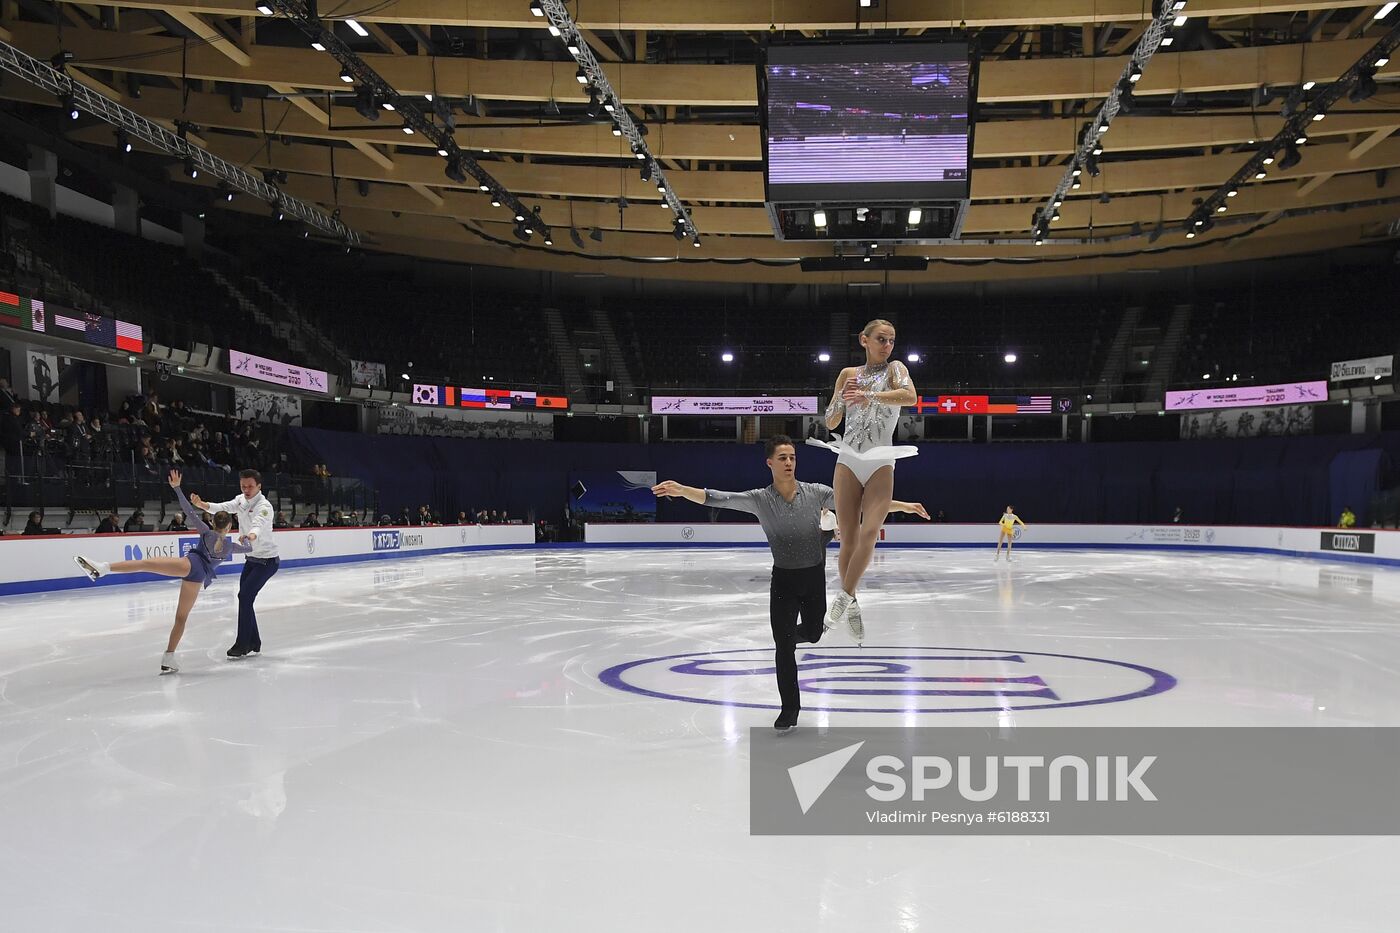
[(426, 746)]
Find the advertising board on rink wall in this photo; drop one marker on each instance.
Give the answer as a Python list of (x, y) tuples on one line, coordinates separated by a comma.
[(40, 564), (1328, 544)]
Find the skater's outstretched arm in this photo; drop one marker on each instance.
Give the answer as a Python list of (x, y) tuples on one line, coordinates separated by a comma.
[(739, 501), (911, 508), (191, 513)]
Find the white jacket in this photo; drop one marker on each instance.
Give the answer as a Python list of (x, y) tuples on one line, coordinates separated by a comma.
[(254, 517)]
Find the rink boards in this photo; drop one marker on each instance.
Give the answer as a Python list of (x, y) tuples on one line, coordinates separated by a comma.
[(1366, 545), (39, 564)]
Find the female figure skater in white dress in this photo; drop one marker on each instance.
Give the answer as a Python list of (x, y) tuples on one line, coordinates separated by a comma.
[(868, 398)]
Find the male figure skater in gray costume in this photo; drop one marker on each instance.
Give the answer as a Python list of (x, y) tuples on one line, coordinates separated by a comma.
[(791, 515)]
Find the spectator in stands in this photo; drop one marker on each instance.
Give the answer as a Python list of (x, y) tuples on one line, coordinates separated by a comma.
[(7, 395), (103, 444), (462, 518), (336, 520), (424, 517), (385, 521), (505, 519), (109, 526), (281, 521), (177, 523), (311, 521), (34, 526), (135, 522), (1348, 519), (495, 519), (78, 439), (35, 430), (404, 517), (12, 433)]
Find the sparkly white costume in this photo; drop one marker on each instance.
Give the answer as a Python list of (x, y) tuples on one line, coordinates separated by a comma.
[(869, 424)]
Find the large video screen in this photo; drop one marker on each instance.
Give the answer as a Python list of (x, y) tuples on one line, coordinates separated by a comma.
[(852, 122)]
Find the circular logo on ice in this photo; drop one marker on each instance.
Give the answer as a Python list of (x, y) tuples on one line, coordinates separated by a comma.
[(311, 544), (687, 532), (904, 680)]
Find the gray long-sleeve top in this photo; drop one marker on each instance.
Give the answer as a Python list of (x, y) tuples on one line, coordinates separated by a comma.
[(793, 528)]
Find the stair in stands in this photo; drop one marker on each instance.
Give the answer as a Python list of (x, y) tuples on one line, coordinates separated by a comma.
[(283, 330), (331, 348), (563, 350), (1168, 350), (617, 363), (1117, 358)]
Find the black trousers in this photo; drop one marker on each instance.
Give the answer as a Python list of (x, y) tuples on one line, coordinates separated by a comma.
[(795, 593), (256, 572)]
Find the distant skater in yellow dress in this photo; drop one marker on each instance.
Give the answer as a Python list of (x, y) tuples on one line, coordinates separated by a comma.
[(1007, 525)]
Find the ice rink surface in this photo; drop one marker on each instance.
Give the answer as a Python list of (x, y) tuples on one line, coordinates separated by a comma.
[(464, 743)]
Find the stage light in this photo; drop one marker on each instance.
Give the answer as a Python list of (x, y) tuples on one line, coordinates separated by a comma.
[(521, 233), (519, 217), (346, 76), (1364, 89), (359, 30), (483, 187), (646, 171), (1386, 10), (819, 218), (407, 130), (495, 201), (1233, 192), (824, 357), (264, 8), (455, 172), (1291, 157), (388, 105), (123, 141), (190, 168), (1010, 358), (572, 44), (316, 44), (1167, 41), (616, 130), (1383, 61), (535, 8), (596, 235), (679, 230), (916, 216), (1309, 85), (727, 357), (69, 107), (696, 242), (1134, 73), (912, 357)]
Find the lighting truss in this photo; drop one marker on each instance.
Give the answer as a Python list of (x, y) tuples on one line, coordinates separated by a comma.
[(1294, 128), (304, 17), (45, 77), (558, 16), (1147, 47)]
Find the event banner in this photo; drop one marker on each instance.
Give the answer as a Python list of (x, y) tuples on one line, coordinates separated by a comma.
[(445, 396), (1373, 367), (613, 495), (734, 405), (285, 374), (996, 405), (367, 374), (1288, 393)]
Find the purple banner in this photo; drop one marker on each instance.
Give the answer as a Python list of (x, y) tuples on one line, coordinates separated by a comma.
[(1289, 393)]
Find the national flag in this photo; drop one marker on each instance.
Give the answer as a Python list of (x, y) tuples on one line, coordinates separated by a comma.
[(473, 398), (1033, 404), (21, 312), (522, 399), (130, 337), (425, 394), (962, 405), (449, 396), (101, 331), (551, 401), (498, 398), (70, 323), (1001, 408)]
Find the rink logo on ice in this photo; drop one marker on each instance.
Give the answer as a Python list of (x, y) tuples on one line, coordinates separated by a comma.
[(387, 540), (1072, 781), (900, 680), (1361, 542)]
